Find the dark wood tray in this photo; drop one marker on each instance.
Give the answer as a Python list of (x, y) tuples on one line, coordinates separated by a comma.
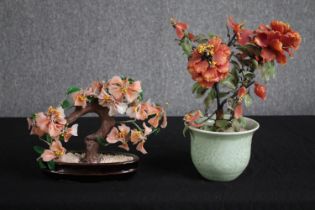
[(95, 171)]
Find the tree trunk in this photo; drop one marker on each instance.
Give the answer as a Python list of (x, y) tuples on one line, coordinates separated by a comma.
[(107, 122), (219, 114)]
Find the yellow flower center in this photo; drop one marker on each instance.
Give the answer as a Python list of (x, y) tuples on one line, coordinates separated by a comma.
[(205, 48), (53, 111), (124, 90), (137, 134), (106, 98), (81, 97), (122, 134), (59, 153), (136, 109)]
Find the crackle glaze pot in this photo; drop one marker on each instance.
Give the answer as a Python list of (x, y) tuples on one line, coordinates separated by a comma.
[(222, 156)]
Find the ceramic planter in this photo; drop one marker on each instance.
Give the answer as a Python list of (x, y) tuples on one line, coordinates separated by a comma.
[(222, 156)]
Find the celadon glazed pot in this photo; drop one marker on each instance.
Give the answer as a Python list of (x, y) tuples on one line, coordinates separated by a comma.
[(222, 156)]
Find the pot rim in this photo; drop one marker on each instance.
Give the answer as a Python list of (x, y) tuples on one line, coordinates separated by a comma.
[(229, 133)]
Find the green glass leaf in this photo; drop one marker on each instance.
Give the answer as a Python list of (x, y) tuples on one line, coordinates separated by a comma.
[(223, 94), (201, 120), (48, 138), (210, 98), (242, 122), (51, 165), (61, 138), (101, 141), (156, 131), (201, 38), (66, 104), (249, 75), (195, 87), (131, 80), (268, 70), (185, 130), (236, 125), (235, 64), (186, 46), (254, 64), (222, 124), (33, 116), (211, 35), (229, 81), (249, 49), (72, 89), (91, 99), (38, 149), (41, 164), (248, 100), (140, 97), (235, 74), (200, 91)]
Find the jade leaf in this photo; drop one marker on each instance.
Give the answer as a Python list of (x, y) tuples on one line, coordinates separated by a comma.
[(48, 138), (268, 71), (140, 97), (195, 87), (198, 90), (210, 98), (249, 49), (201, 38), (66, 104), (221, 123), (236, 125), (242, 122), (229, 81), (156, 131), (248, 100), (51, 165), (185, 130), (249, 75), (38, 149), (72, 89), (186, 46), (101, 141), (41, 164), (211, 35)]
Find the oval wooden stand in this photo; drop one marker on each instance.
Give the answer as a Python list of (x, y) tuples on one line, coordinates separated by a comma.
[(95, 171)]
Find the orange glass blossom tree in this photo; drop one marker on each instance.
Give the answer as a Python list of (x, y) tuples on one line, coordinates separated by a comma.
[(225, 72), (120, 95)]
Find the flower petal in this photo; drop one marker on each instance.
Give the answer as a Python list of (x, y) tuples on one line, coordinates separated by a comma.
[(48, 155), (112, 136), (140, 148)]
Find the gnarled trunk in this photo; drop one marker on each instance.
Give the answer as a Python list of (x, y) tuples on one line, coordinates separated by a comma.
[(107, 122)]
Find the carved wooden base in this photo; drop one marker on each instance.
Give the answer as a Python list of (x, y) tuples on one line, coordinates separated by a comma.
[(95, 171)]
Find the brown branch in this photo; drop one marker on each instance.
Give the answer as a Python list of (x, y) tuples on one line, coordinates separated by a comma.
[(107, 123), (219, 111)]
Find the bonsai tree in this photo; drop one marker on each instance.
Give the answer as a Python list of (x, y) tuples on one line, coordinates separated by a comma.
[(120, 95), (225, 72)]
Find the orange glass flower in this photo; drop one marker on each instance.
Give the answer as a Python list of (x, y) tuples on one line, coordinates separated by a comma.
[(275, 40), (180, 28), (209, 62), (243, 35), (260, 91)]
